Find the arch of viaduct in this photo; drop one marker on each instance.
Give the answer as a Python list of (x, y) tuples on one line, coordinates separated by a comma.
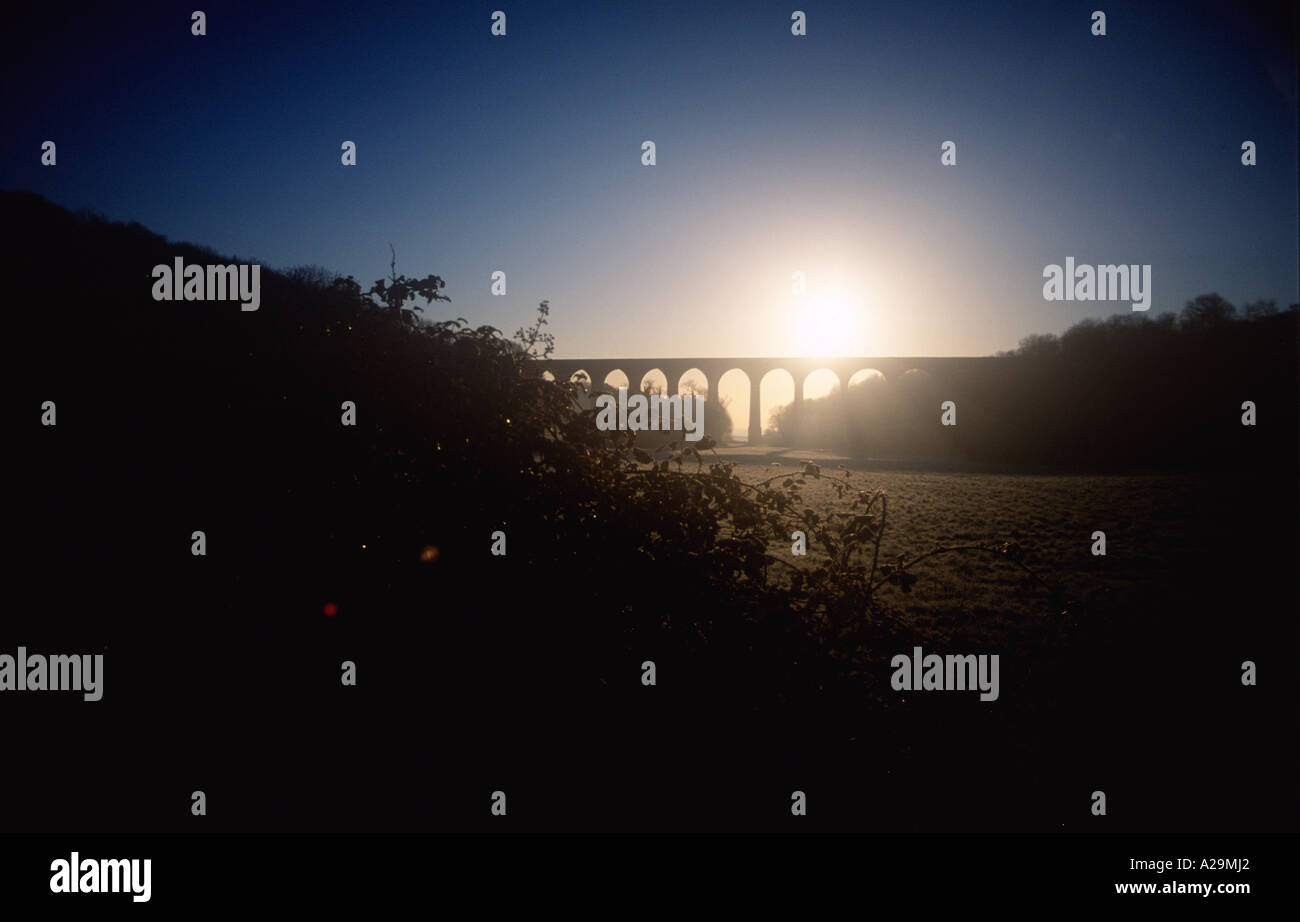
[(957, 374)]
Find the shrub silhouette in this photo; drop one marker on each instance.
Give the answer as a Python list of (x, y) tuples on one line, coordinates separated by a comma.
[(458, 435)]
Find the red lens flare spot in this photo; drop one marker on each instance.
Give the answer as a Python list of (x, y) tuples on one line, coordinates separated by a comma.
[(331, 609)]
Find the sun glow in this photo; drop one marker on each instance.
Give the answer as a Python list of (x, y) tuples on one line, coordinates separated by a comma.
[(828, 324)]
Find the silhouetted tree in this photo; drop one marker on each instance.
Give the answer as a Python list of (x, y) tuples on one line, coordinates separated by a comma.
[(1205, 312), (1257, 309), (393, 293)]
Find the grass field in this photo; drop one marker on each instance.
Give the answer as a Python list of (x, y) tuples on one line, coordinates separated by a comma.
[(1148, 519)]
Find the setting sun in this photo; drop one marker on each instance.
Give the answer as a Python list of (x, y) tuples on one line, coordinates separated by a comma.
[(827, 324)]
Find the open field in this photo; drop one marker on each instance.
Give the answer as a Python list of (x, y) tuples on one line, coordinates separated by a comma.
[(1162, 530)]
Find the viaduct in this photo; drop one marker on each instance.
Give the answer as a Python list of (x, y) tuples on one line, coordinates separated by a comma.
[(954, 377)]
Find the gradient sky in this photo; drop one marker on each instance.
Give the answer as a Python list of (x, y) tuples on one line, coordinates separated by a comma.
[(775, 154)]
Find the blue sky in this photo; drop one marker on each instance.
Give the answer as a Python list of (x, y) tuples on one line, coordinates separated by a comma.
[(775, 153)]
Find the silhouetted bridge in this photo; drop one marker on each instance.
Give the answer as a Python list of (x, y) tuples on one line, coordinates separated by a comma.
[(951, 376)]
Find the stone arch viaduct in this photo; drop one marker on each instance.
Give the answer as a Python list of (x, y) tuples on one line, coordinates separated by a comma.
[(956, 376)]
